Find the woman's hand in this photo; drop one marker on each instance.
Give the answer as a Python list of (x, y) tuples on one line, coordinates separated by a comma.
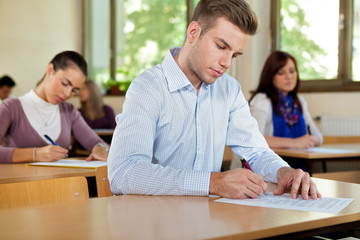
[(306, 141), (98, 153), (50, 153)]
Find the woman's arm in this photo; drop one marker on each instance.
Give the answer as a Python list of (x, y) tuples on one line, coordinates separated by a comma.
[(315, 133), (88, 138), (304, 142), (48, 153)]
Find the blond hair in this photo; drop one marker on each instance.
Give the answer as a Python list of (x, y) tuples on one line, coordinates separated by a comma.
[(93, 107)]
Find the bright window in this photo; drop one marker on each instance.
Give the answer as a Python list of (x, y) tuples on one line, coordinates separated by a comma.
[(324, 37), (125, 37), (356, 42)]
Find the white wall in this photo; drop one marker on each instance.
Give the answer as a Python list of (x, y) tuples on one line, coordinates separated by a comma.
[(32, 33)]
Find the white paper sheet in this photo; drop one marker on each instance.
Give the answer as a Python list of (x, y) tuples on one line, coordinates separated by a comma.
[(71, 163), (329, 150), (284, 201)]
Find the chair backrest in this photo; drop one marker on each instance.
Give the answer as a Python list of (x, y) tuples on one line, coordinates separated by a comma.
[(102, 182), (39, 192), (341, 139)]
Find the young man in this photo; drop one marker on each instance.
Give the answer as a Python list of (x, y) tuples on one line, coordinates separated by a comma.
[(6, 85), (179, 115)]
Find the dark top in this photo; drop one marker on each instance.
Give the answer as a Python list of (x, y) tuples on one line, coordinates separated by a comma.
[(106, 122)]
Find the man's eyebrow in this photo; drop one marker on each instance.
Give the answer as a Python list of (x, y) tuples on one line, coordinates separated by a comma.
[(224, 42)]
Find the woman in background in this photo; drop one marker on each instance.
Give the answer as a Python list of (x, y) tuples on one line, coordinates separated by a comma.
[(43, 111), (282, 114), (96, 114)]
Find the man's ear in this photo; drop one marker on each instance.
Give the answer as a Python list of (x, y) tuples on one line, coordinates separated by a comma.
[(193, 31)]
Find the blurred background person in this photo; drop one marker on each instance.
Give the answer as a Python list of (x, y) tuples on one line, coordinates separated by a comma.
[(281, 113), (6, 86), (94, 111)]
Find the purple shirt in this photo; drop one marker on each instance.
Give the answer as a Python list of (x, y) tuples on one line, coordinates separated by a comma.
[(20, 134), (106, 122)]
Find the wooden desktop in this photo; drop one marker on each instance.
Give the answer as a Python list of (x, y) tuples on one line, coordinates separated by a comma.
[(19, 172), (309, 157), (176, 217)]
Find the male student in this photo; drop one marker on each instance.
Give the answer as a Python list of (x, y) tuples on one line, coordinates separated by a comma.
[(179, 115), (6, 85)]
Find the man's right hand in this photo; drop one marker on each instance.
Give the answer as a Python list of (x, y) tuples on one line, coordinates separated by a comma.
[(238, 183)]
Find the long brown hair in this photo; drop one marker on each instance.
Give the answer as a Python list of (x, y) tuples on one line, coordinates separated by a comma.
[(273, 64), (93, 107)]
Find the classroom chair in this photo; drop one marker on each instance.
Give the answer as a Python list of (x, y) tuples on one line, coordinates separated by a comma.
[(23, 194)]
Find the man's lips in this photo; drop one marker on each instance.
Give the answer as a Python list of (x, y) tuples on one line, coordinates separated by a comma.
[(217, 73)]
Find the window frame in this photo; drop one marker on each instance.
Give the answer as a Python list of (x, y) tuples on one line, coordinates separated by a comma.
[(344, 81)]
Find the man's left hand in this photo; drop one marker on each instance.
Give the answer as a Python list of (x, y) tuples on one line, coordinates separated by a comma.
[(298, 182)]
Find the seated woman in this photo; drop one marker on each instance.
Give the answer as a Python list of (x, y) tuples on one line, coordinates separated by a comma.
[(43, 111), (282, 114), (93, 110)]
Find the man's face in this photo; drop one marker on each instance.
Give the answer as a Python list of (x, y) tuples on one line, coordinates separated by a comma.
[(212, 53), (5, 92)]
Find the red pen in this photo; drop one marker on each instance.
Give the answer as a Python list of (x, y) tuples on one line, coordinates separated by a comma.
[(245, 164)]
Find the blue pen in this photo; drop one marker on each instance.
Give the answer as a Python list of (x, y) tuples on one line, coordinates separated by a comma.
[(50, 140)]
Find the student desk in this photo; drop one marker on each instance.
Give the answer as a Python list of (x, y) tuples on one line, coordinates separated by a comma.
[(104, 132), (11, 173), (309, 157), (176, 217)]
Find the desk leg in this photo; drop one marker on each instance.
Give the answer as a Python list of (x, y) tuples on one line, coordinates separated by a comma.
[(309, 167), (102, 182), (324, 166)]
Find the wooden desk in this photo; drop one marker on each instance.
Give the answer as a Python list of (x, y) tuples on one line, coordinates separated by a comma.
[(104, 132), (11, 173), (310, 157), (345, 176), (175, 217)]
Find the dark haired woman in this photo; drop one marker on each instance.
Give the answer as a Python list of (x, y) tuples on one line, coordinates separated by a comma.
[(281, 113), (43, 111)]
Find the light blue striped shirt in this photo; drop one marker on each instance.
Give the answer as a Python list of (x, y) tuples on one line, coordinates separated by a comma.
[(168, 139)]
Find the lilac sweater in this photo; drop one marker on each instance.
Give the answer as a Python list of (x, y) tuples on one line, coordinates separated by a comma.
[(20, 134)]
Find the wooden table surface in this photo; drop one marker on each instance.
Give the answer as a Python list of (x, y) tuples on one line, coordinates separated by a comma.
[(308, 154), (171, 217), (12, 173), (309, 157), (19, 172)]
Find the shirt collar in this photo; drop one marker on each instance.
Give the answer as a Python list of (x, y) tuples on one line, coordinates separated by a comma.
[(175, 77)]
